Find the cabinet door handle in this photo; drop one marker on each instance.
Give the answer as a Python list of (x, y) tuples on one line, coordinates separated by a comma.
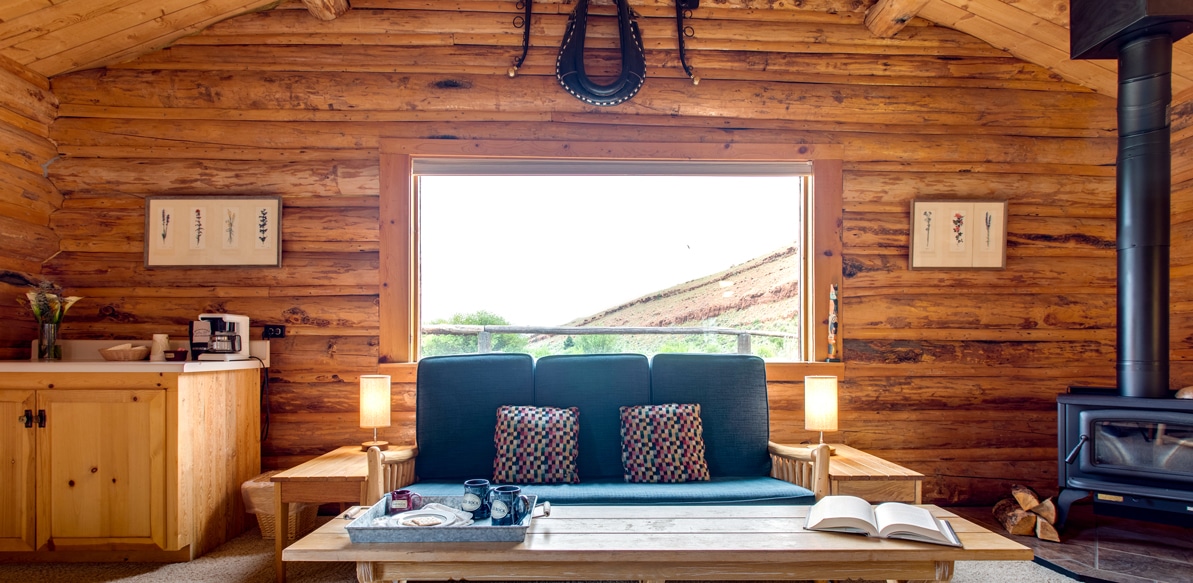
[(27, 418), (41, 418)]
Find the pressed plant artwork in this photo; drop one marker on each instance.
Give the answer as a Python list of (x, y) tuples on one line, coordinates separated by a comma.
[(212, 230)]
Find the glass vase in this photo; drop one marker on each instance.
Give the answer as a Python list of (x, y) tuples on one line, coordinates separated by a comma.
[(47, 336)]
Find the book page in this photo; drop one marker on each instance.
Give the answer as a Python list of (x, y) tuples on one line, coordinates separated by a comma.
[(896, 520), (842, 513), (903, 515)]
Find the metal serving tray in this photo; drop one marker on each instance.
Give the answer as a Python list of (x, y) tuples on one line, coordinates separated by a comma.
[(361, 530)]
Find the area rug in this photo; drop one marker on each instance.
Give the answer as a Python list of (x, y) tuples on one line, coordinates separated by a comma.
[(249, 559)]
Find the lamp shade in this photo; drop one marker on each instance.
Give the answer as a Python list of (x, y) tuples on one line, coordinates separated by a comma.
[(820, 403), (374, 400)]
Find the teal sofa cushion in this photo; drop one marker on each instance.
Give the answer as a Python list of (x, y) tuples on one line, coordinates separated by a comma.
[(731, 391), (744, 490), (598, 384), (456, 411)]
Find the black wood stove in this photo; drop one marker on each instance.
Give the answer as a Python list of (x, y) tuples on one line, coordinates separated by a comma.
[(1132, 447), (1134, 456)]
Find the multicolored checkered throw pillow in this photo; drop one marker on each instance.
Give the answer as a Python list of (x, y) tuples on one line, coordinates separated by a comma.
[(663, 443), (536, 445)]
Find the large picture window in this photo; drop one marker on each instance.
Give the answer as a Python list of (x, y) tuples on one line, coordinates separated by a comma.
[(564, 248), (602, 258)]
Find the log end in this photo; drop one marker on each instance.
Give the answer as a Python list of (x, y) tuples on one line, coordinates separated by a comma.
[(1013, 518), (1026, 497), (1045, 531)]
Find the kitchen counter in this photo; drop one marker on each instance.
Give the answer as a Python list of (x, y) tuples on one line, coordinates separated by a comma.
[(83, 356), (106, 366)]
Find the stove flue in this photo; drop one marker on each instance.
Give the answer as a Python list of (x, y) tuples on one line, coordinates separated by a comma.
[(1140, 34)]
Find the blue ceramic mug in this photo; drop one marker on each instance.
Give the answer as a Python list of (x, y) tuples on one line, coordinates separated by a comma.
[(508, 506), (476, 498)]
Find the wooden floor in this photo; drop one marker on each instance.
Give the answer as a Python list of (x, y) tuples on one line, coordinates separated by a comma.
[(1107, 548)]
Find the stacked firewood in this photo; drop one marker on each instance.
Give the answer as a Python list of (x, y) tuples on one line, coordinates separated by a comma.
[(1025, 514)]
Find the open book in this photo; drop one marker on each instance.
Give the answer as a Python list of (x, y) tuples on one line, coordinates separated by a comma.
[(888, 520)]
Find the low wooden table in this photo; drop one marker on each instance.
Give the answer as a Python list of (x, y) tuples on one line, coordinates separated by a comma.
[(336, 476), (656, 543), (857, 473)]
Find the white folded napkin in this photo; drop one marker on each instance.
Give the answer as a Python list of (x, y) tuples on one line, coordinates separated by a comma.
[(463, 518), (456, 517)]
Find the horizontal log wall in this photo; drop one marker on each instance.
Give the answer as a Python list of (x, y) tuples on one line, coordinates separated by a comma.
[(1181, 284), (953, 373), (26, 198)]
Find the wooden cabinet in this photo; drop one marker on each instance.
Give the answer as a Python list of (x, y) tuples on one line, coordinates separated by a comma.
[(17, 463), (125, 466), (101, 470)]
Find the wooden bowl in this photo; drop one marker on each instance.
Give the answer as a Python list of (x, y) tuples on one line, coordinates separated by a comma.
[(134, 353), (176, 355)]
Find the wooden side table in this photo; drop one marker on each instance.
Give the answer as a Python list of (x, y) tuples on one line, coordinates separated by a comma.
[(857, 473), (336, 476)]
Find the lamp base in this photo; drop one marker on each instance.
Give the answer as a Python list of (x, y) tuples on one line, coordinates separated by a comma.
[(381, 445), (831, 450)]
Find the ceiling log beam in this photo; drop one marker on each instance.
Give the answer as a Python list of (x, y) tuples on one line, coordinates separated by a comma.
[(122, 33), (326, 9), (994, 25), (887, 17)]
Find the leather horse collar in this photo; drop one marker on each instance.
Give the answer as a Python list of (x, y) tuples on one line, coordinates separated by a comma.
[(569, 66)]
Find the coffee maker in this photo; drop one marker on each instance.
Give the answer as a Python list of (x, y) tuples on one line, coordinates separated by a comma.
[(220, 337)]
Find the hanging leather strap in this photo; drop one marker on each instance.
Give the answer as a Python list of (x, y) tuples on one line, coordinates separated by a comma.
[(523, 22), (683, 9), (569, 66)]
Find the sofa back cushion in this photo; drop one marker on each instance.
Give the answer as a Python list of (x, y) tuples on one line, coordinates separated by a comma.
[(731, 391), (599, 385), (456, 413)]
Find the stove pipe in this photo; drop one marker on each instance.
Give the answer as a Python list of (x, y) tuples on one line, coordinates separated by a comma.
[(1144, 197), (1140, 33)]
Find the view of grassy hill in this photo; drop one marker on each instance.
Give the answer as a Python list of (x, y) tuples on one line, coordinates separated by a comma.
[(759, 294)]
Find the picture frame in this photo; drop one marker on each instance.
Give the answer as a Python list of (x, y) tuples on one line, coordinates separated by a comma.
[(958, 234), (213, 231)]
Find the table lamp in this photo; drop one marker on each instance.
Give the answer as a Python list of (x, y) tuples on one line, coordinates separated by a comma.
[(374, 407), (820, 404)]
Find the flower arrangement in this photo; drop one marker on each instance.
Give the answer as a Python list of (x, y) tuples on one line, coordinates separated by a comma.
[(47, 303)]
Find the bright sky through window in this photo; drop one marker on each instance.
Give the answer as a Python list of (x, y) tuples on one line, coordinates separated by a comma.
[(545, 250)]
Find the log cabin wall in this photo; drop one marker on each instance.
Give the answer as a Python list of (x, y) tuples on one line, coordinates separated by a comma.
[(1181, 284), (952, 373), (26, 198)]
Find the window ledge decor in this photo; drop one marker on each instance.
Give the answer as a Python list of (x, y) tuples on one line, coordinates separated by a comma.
[(183, 231), (959, 234)]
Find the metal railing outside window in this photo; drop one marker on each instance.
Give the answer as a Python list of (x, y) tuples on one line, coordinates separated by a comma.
[(485, 333)]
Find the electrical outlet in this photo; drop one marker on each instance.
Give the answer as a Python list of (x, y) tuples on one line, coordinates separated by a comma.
[(273, 331)]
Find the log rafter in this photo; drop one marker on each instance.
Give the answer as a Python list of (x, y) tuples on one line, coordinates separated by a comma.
[(887, 17), (326, 9)]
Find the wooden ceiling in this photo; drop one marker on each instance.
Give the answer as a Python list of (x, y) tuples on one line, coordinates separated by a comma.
[(52, 37)]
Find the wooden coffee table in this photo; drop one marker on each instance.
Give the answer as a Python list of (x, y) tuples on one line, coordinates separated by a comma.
[(656, 543)]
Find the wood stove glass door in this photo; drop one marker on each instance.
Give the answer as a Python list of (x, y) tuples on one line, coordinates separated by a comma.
[(1161, 446)]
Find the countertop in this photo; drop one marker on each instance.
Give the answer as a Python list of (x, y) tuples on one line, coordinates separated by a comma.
[(83, 356), (105, 366)]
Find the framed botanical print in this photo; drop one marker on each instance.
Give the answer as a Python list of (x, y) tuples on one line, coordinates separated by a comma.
[(958, 234), (213, 231)]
